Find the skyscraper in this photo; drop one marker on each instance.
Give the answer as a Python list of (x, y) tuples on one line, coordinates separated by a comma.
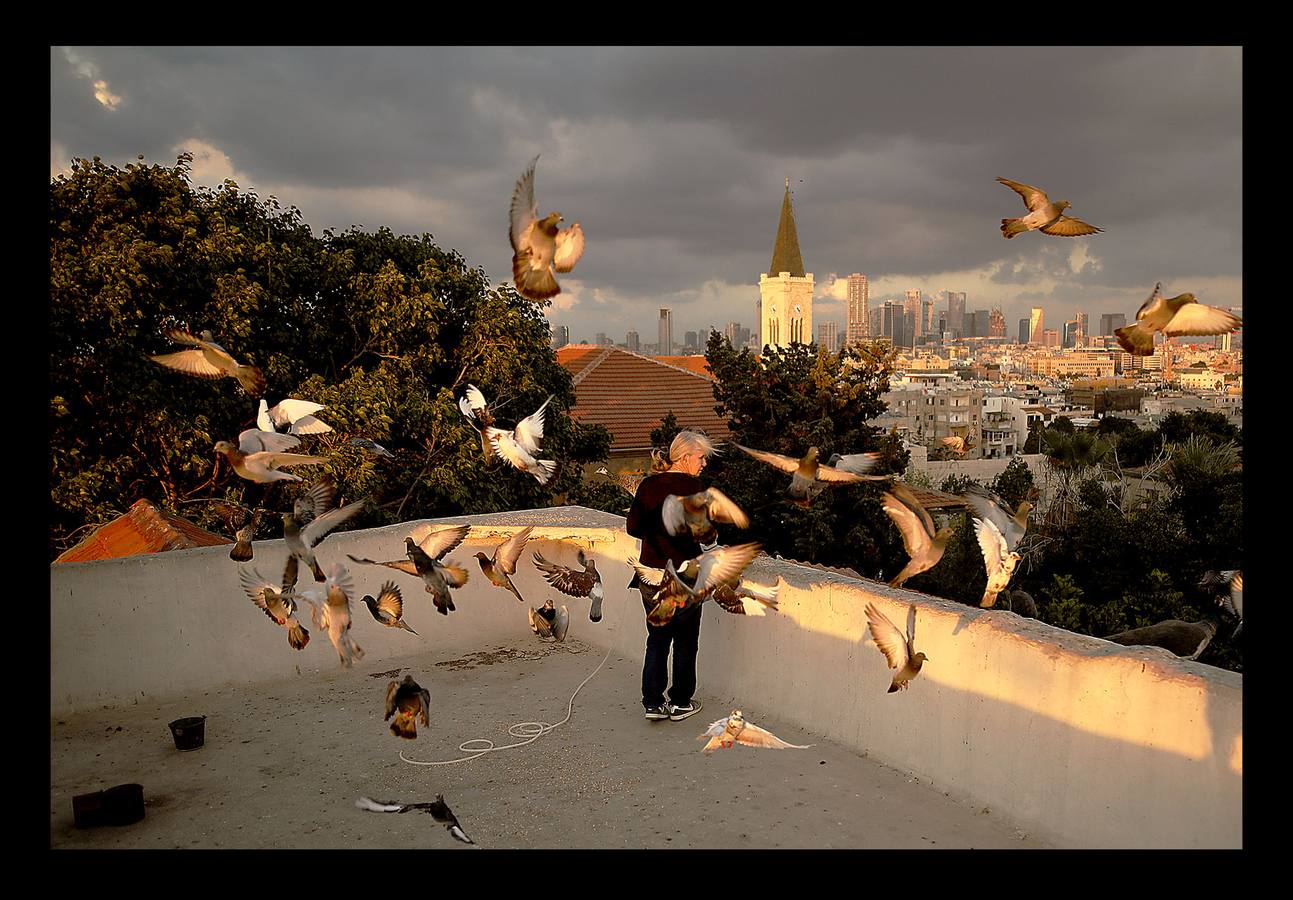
[(892, 323), (956, 313), (560, 336), (1082, 330), (665, 346), (828, 336), (602, 339), (982, 320), (927, 310), (912, 307), (689, 340), (875, 322), (1036, 325), (631, 341), (1023, 331), (786, 290), (996, 324), (859, 323), (1111, 321)]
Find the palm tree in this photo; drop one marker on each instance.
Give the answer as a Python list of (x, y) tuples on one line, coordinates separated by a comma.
[(1069, 455)]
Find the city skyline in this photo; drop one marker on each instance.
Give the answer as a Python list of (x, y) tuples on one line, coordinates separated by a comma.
[(677, 188)]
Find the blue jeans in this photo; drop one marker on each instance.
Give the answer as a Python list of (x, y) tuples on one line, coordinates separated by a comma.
[(683, 632)]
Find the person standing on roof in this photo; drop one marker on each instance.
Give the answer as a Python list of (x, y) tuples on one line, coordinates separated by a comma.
[(688, 455)]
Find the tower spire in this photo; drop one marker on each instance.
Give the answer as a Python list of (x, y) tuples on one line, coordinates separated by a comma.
[(785, 252)]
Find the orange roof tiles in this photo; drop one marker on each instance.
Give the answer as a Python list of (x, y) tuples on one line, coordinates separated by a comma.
[(143, 529), (697, 364), (630, 394)]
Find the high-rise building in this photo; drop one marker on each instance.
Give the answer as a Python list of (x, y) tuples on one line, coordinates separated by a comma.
[(912, 307), (1069, 337), (689, 340), (786, 290), (665, 344), (956, 313), (1050, 337), (828, 336), (893, 323), (859, 320), (560, 336), (1036, 325), (981, 321), (927, 310), (631, 341), (996, 324), (732, 331), (875, 322), (1082, 331), (1023, 331), (602, 340), (1109, 322)]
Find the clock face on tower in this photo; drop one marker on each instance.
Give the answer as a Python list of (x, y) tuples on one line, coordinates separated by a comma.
[(798, 308)]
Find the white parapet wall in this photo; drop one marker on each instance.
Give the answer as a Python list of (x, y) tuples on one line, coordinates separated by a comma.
[(1089, 743)]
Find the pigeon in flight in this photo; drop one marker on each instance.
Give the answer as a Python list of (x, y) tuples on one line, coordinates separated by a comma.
[(989, 505), (292, 416), (924, 546), (998, 560), (1181, 314), (521, 446), (372, 447), (260, 453), (587, 583), (407, 701), (697, 580), (426, 548), (388, 608), (503, 564), (330, 610), (697, 514), (1045, 216), (243, 522), (899, 652), (810, 477), (538, 246), (473, 406), (439, 811), (1185, 639), (210, 360), (277, 603), (1232, 581), (548, 621), (999, 532), (310, 522), (735, 729), (628, 481)]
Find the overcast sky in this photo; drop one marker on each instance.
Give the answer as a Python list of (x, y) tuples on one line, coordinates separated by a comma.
[(674, 160)]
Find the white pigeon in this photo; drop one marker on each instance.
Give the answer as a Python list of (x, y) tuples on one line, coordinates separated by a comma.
[(538, 246), (1181, 314), (736, 729), (998, 559), (1043, 215), (293, 415), (520, 447)]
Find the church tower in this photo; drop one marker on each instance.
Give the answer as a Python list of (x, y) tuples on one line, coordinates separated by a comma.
[(786, 291)]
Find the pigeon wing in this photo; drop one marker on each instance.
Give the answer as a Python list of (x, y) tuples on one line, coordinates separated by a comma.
[(509, 551), (190, 362), (392, 693), (524, 211), (507, 447), (915, 538), (474, 398), (253, 440), (315, 502), (776, 460), (291, 411), (840, 476), (1155, 297), (1067, 226), (1034, 198), (723, 509), (904, 495), (992, 544), (652, 578), (887, 637), (454, 575), (857, 463), (403, 565), (673, 515), (529, 431), (724, 565), (1196, 318), (255, 585), (570, 246), (390, 600), (437, 544), (319, 528), (754, 736), (715, 728)]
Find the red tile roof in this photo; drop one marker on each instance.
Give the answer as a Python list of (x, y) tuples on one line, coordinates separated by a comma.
[(630, 394), (144, 529), (697, 364)]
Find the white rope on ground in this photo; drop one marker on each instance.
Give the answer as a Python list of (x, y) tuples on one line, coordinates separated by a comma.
[(531, 731)]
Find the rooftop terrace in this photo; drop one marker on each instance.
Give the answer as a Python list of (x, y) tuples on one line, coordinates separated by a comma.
[(1016, 734)]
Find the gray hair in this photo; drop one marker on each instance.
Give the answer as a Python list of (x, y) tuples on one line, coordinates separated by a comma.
[(691, 442)]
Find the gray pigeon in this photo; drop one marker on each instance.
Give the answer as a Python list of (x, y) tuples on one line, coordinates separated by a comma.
[(439, 811), (698, 513), (1043, 215), (309, 522), (426, 548), (503, 564), (388, 607), (808, 476), (372, 447), (1186, 639), (587, 583)]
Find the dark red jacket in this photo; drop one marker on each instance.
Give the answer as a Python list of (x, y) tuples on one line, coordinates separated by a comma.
[(644, 519)]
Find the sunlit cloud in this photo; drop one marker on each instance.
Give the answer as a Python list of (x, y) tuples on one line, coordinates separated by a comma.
[(105, 96), (89, 71)]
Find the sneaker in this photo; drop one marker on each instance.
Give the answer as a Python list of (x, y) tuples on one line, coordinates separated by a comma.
[(656, 713), (678, 713)]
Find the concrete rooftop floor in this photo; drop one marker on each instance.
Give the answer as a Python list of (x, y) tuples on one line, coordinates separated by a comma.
[(284, 762)]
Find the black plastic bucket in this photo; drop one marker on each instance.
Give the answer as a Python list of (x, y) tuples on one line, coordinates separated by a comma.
[(120, 805), (189, 733)]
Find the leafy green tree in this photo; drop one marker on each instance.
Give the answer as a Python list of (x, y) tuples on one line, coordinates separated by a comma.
[(664, 433), (1177, 427), (385, 330), (1015, 483), (794, 398)]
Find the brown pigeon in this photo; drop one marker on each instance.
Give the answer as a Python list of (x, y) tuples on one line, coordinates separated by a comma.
[(1043, 215), (408, 702), (1181, 314), (538, 246), (210, 360)]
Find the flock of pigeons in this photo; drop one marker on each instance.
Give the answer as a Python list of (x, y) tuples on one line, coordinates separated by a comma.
[(541, 249)]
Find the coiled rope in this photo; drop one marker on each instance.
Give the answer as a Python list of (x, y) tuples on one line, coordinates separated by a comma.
[(531, 731)]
